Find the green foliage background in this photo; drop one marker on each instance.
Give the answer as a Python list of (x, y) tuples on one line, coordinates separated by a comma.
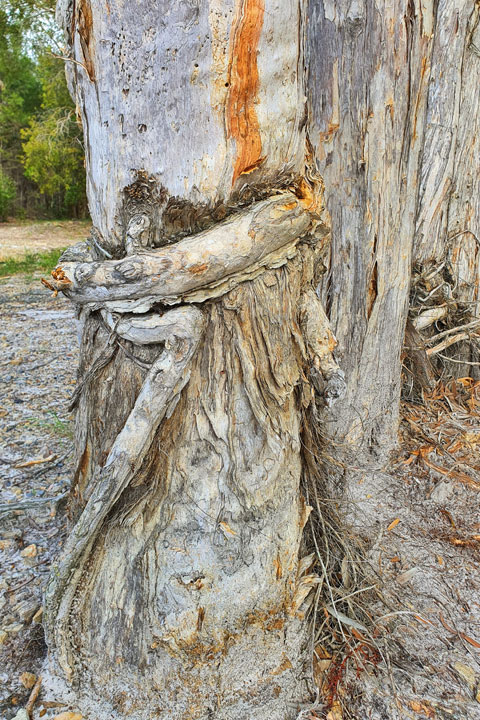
[(41, 154)]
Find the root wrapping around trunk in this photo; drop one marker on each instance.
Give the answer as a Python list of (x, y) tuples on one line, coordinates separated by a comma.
[(197, 268), (181, 330), (128, 294)]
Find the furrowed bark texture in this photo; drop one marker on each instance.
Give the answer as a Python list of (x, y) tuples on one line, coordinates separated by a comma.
[(448, 220), (368, 67), (178, 594), (393, 120), (183, 602)]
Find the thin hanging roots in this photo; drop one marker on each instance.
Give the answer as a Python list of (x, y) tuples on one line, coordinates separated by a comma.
[(443, 330), (344, 611)]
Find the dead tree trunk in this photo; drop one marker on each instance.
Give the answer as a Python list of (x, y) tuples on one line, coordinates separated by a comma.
[(392, 117), (179, 590)]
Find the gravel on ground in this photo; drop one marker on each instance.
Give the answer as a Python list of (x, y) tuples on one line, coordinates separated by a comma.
[(38, 360)]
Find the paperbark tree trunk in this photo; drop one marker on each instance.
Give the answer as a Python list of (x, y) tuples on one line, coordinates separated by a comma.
[(447, 237), (368, 79), (392, 117), (178, 593), (214, 131)]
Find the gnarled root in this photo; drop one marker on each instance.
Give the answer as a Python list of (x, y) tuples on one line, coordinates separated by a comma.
[(181, 330)]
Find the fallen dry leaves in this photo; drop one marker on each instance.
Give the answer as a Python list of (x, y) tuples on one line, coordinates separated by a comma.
[(446, 426), (336, 712), (28, 680), (423, 708)]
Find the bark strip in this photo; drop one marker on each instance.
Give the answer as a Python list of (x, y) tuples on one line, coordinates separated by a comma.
[(181, 330)]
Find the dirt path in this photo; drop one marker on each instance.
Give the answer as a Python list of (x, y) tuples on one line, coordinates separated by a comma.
[(18, 239)]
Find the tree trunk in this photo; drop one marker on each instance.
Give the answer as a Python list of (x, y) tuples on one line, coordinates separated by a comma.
[(393, 123), (367, 89), (179, 590), (447, 239)]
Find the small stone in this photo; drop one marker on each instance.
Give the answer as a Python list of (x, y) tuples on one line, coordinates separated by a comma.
[(26, 609), (3, 637), (5, 544), (28, 680), (21, 715), (37, 618), (442, 491), (466, 673), (68, 716), (29, 552)]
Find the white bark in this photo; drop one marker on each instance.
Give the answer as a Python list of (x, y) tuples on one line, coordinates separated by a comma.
[(179, 589), (186, 107)]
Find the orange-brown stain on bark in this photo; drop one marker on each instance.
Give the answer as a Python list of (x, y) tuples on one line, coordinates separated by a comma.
[(198, 269), (85, 34), (372, 291), (81, 472), (241, 117), (277, 563)]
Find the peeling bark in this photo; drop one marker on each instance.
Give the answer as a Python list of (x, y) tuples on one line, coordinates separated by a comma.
[(180, 586), (369, 66), (448, 221), (215, 132)]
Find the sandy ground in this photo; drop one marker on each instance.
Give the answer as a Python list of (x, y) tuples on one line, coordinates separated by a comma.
[(17, 239)]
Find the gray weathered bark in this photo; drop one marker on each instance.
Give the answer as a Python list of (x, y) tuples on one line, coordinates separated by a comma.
[(447, 235), (179, 589), (367, 90), (393, 115)]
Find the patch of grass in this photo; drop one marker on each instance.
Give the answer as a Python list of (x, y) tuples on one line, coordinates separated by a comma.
[(54, 425), (30, 263)]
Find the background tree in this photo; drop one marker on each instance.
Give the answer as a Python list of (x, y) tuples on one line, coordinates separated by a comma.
[(20, 94), (53, 155), (401, 126), (41, 153)]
